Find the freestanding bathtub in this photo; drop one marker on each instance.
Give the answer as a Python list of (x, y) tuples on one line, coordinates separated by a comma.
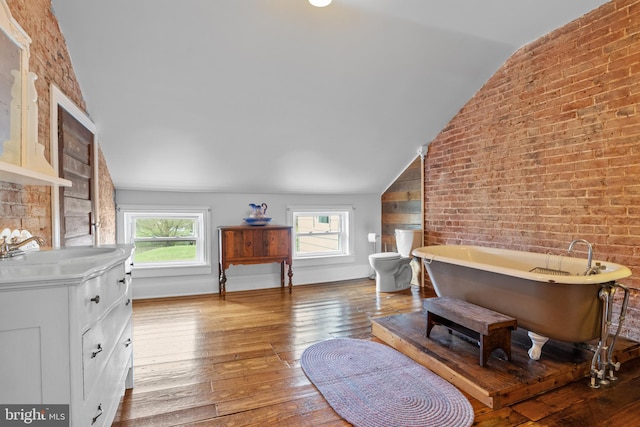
[(561, 307)]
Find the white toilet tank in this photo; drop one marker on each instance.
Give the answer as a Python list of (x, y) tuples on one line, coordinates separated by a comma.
[(407, 241)]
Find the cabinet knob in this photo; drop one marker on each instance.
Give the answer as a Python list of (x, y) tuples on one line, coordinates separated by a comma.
[(122, 281), (94, 419), (128, 301), (95, 352), (96, 299)]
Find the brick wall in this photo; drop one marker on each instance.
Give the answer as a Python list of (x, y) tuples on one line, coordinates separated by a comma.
[(549, 149), (107, 205), (29, 207)]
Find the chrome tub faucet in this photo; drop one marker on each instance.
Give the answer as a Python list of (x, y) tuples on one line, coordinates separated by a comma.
[(589, 269)]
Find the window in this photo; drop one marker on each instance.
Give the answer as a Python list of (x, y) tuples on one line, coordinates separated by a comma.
[(165, 237), (321, 232)]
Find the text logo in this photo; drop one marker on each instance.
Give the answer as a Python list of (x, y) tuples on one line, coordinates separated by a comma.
[(34, 415)]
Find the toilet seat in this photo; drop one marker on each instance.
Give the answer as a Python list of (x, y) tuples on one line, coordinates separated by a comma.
[(387, 256)]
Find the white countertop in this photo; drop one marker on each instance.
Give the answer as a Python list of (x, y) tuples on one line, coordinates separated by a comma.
[(55, 267)]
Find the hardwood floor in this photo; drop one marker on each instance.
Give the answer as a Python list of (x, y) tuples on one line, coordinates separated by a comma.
[(203, 361)]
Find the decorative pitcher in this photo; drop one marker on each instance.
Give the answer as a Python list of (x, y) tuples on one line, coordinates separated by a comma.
[(259, 211)]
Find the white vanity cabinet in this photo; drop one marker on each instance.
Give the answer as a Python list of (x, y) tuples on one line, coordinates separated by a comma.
[(65, 332)]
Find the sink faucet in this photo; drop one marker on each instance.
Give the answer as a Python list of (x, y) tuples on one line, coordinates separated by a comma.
[(589, 255), (10, 248)]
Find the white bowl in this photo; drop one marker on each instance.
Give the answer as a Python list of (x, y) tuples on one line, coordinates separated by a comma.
[(257, 221)]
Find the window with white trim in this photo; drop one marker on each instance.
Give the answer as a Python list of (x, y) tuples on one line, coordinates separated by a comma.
[(321, 232), (167, 237)]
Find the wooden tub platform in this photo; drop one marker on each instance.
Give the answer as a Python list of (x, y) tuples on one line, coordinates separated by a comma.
[(499, 383)]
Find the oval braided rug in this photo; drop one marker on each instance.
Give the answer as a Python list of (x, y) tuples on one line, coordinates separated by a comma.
[(371, 384)]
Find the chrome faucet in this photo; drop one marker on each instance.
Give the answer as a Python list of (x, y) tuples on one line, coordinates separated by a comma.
[(589, 255), (10, 247)]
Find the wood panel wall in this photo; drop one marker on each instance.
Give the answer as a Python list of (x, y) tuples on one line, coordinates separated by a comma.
[(401, 206)]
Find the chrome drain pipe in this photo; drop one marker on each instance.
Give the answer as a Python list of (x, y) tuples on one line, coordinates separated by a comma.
[(601, 362), (600, 355), (612, 367)]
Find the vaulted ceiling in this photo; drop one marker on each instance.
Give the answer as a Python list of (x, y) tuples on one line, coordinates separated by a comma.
[(278, 96)]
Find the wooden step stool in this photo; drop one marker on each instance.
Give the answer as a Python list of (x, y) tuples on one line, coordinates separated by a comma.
[(491, 329)]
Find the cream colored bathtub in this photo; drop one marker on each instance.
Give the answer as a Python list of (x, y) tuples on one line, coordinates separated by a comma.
[(565, 308)]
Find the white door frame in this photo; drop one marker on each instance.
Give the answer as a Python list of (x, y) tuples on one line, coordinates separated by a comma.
[(58, 98)]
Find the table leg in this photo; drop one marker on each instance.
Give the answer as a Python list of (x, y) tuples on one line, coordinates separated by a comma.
[(222, 281), (282, 274), (290, 274)]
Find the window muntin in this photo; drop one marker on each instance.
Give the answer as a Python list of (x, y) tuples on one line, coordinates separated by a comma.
[(320, 233)]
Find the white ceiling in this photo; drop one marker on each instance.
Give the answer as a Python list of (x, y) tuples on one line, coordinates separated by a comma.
[(277, 96)]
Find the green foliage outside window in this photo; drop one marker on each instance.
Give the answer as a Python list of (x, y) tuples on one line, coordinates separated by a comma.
[(157, 227), (165, 240)]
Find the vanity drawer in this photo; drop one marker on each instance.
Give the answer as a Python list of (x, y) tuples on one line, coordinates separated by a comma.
[(98, 294), (121, 355), (100, 343), (94, 357), (102, 403)]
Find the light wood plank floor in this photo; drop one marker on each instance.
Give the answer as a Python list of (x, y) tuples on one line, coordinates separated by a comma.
[(203, 361)]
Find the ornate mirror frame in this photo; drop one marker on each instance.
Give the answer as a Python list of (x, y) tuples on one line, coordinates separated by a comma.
[(22, 158)]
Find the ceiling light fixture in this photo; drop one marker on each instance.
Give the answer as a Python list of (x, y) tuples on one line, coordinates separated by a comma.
[(320, 3)]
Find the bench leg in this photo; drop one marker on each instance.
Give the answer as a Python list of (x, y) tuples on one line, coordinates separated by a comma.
[(434, 319), (506, 344), (485, 349), (500, 339), (430, 323)]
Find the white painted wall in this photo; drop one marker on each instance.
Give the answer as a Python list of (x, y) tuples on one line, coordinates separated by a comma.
[(229, 209)]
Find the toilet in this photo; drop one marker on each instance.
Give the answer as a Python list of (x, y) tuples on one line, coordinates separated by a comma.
[(393, 269)]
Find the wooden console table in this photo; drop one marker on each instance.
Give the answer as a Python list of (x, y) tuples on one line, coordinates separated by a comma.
[(246, 244)]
